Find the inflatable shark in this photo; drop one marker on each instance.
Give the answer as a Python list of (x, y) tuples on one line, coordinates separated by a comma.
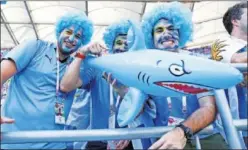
[(163, 73)]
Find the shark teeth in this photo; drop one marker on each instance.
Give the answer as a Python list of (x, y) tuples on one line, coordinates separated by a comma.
[(184, 87)]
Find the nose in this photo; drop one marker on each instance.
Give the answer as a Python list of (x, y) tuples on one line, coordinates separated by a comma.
[(71, 38)]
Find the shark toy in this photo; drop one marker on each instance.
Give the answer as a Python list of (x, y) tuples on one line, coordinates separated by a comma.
[(164, 73)]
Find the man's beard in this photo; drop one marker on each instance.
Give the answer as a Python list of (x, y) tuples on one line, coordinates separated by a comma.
[(119, 50), (64, 52), (168, 38)]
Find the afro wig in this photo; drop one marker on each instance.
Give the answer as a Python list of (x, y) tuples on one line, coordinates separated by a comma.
[(80, 20), (178, 14), (113, 31)]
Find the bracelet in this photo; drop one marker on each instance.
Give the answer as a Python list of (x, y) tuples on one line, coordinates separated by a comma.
[(187, 131), (80, 55)]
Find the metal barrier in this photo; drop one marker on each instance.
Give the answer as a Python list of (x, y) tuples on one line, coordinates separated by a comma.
[(94, 135), (227, 121)]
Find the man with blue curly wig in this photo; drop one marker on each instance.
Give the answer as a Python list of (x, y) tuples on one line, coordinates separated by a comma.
[(115, 37), (169, 27), (34, 100), (102, 94)]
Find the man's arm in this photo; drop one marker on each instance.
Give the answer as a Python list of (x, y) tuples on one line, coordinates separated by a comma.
[(8, 69), (15, 61), (239, 58), (71, 80), (203, 116)]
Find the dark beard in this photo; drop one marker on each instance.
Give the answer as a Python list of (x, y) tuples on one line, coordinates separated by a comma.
[(66, 53), (119, 51), (167, 38)]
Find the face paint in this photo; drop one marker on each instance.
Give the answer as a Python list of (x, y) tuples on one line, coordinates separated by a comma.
[(70, 40), (165, 36), (120, 44)]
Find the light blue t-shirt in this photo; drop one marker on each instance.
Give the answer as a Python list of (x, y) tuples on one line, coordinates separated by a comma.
[(100, 95), (32, 92), (79, 116)]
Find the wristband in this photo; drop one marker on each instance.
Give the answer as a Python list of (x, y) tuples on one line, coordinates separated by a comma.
[(80, 55), (187, 131)]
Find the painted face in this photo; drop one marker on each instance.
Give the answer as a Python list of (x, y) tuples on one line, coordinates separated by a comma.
[(70, 40), (120, 44), (243, 21), (165, 36)]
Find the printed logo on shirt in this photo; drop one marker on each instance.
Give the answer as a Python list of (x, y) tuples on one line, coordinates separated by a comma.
[(216, 49), (50, 59)]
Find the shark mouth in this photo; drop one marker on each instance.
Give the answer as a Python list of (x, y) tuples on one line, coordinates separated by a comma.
[(184, 87)]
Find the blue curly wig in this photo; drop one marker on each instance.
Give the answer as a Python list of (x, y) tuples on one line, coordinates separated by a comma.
[(112, 31), (78, 19), (178, 14)]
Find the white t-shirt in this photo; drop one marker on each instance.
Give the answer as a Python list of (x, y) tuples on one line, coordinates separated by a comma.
[(232, 45)]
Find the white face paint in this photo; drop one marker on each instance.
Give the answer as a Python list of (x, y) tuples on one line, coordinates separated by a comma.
[(70, 40), (243, 21), (120, 44), (165, 36)]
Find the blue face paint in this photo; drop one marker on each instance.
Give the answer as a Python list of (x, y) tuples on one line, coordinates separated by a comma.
[(70, 39), (120, 44), (165, 36)]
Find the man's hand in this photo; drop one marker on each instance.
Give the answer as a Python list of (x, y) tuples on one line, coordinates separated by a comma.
[(7, 120), (175, 139), (120, 144), (93, 48)]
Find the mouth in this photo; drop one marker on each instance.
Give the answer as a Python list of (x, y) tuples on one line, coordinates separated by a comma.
[(168, 42), (184, 87), (69, 45)]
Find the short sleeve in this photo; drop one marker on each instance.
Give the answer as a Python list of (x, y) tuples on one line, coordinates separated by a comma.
[(23, 54)]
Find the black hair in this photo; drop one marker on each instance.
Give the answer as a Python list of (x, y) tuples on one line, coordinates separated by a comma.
[(233, 13)]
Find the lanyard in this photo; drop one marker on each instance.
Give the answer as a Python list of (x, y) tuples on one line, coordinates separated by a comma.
[(57, 74), (113, 107), (111, 93), (184, 104)]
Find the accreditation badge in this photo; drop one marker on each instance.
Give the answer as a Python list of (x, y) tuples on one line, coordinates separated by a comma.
[(59, 113)]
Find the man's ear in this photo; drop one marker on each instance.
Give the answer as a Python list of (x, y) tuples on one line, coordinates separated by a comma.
[(235, 22)]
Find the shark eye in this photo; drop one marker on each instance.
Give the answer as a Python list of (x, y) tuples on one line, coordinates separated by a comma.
[(176, 70)]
